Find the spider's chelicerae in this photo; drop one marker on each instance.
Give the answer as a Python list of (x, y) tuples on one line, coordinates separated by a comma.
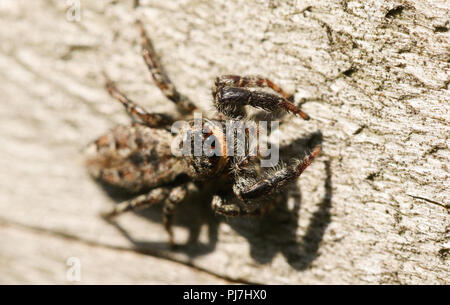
[(138, 157)]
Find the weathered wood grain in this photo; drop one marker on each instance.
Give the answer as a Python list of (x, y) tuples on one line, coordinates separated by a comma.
[(35, 257), (373, 75)]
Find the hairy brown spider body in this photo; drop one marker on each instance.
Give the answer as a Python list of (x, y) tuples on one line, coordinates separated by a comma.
[(138, 157)]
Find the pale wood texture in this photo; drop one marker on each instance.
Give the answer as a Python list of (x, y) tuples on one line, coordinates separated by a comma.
[(31, 256), (373, 75)]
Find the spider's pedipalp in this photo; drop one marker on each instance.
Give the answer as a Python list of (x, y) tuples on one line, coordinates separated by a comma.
[(232, 209), (220, 207)]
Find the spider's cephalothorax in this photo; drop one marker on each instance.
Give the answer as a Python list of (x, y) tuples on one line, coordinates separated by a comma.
[(140, 157)]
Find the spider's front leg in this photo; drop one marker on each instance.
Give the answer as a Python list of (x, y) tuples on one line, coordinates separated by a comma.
[(231, 95), (135, 111), (277, 180), (250, 81), (250, 199)]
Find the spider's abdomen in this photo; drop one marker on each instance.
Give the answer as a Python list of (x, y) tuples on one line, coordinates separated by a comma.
[(134, 157)]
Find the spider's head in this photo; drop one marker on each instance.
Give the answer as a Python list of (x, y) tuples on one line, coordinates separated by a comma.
[(203, 168), (204, 149)]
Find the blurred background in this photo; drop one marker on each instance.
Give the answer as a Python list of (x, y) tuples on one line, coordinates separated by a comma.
[(373, 75)]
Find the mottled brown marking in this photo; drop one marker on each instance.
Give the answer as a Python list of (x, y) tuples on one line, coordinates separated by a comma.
[(102, 141), (122, 141)]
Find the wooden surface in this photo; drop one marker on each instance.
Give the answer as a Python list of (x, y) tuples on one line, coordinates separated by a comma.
[(373, 75)]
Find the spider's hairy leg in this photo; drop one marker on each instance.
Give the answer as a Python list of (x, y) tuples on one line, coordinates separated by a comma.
[(156, 195), (170, 197), (219, 206), (177, 194), (222, 206), (134, 110), (250, 81), (163, 82), (231, 101), (278, 179)]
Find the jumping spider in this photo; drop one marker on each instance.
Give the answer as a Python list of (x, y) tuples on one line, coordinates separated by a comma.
[(138, 157)]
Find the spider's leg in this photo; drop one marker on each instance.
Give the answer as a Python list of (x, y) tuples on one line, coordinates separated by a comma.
[(223, 207), (177, 194), (280, 178), (183, 104), (250, 81), (170, 198), (134, 110), (156, 195), (231, 101)]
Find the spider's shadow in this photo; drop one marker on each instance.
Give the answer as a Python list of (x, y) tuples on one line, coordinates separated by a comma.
[(268, 235)]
